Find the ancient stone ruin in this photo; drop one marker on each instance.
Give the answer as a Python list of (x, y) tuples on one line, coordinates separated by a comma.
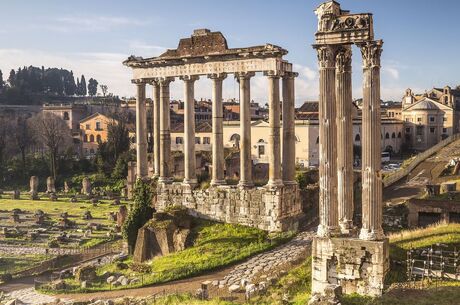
[(86, 187), (276, 206), (342, 256), (50, 187), (165, 233), (34, 188)]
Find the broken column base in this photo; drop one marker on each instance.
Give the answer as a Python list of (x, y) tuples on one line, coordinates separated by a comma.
[(358, 266)]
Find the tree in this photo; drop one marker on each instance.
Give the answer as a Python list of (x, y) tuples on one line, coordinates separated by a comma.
[(23, 138), (82, 90), (1, 80), (92, 87), (12, 78), (69, 84), (140, 213), (4, 127), (104, 89), (54, 134)]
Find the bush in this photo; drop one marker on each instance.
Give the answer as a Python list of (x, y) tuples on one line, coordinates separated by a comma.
[(140, 213), (53, 244), (6, 277), (141, 268)]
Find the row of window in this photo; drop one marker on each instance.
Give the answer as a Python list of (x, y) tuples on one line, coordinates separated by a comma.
[(91, 138), (420, 129), (432, 119), (98, 126), (206, 140)]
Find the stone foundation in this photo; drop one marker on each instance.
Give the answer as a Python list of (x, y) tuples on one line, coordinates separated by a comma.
[(358, 266), (272, 210)]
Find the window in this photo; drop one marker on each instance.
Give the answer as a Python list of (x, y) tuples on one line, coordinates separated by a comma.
[(419, 119), (444, 130), (91, 138), (66, 116), (206, 140), (85, 138), (357, 138), (393, 135), (432, 119), (407, 119), (399, 135), (407, 129), (387, 135), (179, 140), (444, 119), (87, 127), (432, 129), (317, 140), (197, 140), (98, 126), (261, 150), (420, 130), (98, 138)]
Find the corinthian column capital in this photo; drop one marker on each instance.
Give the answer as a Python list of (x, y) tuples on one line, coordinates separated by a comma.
[(189, 78), (244, 75), (371, 52), (326, 56), (273, 74), (138, 82), (165, 81), (217, 76), (290, 75), (343, 59)]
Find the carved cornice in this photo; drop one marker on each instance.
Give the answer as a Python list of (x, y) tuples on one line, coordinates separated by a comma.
[(189, 78), (217, 76), (244, 75), (326, 56), (343, 59), (371, 52)]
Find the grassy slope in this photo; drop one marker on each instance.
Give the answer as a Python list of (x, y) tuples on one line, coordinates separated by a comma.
[(216, 245), (297, 283)]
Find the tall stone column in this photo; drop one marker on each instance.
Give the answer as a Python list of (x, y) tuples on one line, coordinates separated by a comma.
[(218, 163), (343, 93), (328, 218), (274, 141), (156, 128), (141, 131), (189, 130), (289, 128), (165, 131), (371, 145), (245, 127)]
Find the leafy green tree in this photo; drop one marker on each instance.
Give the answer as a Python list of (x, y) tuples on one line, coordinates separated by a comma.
[(69, 84), (92, 87), (140, 213)]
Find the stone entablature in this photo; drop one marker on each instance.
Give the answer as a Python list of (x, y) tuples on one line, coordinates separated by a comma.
[(268, 209)]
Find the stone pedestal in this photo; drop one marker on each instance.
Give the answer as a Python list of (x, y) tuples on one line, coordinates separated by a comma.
[(359, 266)]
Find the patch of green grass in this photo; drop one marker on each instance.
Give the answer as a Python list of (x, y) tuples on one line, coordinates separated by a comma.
[(182, 299), (216, 245), (14, 264)]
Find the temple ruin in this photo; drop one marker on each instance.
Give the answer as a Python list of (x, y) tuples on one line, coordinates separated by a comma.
[(274, 207), (356, 260)]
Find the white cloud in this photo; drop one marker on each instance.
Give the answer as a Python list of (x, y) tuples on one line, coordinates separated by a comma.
[(90, 23), (391, 72)]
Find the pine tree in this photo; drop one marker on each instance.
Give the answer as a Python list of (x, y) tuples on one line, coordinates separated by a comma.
[(83, 91), (77, 90), (12, 78), (1, 80)]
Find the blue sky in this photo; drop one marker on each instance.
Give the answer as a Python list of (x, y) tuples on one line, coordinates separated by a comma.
[(93, 37)]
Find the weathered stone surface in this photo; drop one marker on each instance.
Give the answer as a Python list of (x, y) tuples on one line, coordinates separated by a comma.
[(34, 188), (50, 187), (271, 210), (165, 233), (86, 187), (121, 215), (85, 273)]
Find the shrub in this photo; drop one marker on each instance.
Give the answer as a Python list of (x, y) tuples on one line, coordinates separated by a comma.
[(6, 277), (141, 268), (140, 213)]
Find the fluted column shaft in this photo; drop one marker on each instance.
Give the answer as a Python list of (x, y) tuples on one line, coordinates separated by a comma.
[(343, 92), (165, 131), (328, 218), (288, 158), (218, 163), (245, 129), (189, 130), (156, 128), (371, 143), (274, 141), (141, 132)]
